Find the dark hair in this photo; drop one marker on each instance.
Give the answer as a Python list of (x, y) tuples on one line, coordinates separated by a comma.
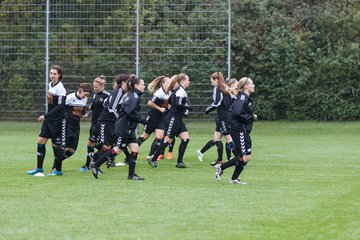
[(121, 78), (130, 83), (59, 70), (86, 87)]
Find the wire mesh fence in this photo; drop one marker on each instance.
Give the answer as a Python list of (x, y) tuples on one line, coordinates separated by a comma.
[(93, 37)]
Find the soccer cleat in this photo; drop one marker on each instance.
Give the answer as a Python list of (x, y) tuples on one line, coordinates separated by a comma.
[(120, 164), (216, 162), (169, 156), (181, 165), (152, 164), (161, 156), (218, 172), (100, 171), (149, 157), (83, 169), (237, 181), (200, 155), (35, 170), (54, 172), (135, 178), (94, 170), (110, 163)]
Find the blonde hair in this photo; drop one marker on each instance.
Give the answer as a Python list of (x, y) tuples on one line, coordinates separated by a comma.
[(101, 80), (156, 84), (176, 79), (242, 83), (232, 90)]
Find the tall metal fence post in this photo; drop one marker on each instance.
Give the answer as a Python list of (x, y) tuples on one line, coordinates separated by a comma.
[(137, 36), (47, 53), (229, 39)]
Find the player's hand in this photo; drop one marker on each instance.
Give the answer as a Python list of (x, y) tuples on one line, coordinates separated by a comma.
[(162, 110), (41, 118)]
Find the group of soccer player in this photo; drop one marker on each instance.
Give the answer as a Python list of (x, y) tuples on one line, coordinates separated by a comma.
[(116, 115)]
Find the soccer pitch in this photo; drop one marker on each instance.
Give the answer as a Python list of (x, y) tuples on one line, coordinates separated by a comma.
[(303, 183)]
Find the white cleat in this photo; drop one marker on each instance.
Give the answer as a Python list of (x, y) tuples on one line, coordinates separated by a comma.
[(120, 164), (200, 155), (218, 172), (237, 181)]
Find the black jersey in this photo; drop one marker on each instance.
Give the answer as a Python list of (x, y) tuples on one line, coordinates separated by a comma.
[(222, 102), (129, 114), (112, 106), (241, 113), (97, 105), (56, 96), (75, 108), (179, 103), (161, 99)]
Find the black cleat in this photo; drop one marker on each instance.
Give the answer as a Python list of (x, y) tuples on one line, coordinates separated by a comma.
[(135, 178), (216, 163), (181, 165), (153, 164), (94, 170)]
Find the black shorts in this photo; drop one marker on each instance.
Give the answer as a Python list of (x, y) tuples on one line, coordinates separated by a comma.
[(222, 126), (51, 128), (122, 142), (104, 133), (174, 126), (94, 133), (154, 123), (242, 142), (70, 135)]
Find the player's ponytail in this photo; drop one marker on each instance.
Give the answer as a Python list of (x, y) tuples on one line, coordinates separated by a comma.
[(156, 84)]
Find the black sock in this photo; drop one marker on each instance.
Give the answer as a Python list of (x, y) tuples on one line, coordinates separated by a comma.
[(67, 153), (182, 149), (229, 149), (154, 146), (104, 157), (159, 149), (89, 150), (171, 146), (237, 171), (99, 154), (207, 146), (132, 163), (229, 163), (220, 149), (58, 157), (41, 151), (140, 141), (126, 152)]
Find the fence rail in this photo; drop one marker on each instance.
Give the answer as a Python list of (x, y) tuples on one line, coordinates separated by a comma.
[(102, 38)]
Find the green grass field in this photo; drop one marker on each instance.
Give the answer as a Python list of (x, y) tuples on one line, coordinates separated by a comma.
[(303, 183)]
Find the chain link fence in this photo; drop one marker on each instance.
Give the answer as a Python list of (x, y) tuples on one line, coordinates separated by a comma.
[(108, 37)]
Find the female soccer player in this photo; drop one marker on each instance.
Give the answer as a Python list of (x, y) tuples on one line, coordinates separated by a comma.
[(125, 128), (96, 106), (106, 122), (155, 119), (75, 109), (222, 102), (52, 120), (241, 120), (174, 125)]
